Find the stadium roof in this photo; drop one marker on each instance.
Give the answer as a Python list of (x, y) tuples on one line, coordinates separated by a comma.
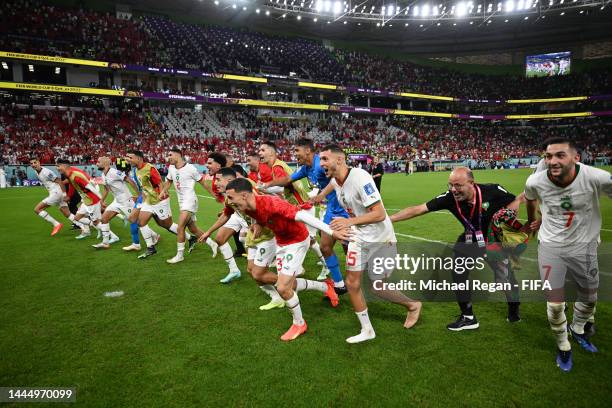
[(449, 27)]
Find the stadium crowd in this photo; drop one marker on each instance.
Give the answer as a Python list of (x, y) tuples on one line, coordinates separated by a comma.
[(33, 27), (81, 135)]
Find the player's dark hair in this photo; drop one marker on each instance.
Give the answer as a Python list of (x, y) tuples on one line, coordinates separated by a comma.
[(34, 158), (177, 151), (334, 148), (227, 172), (62, 161), (305, 142), (270, 144), (137, 153), (240, 185), (219, 158), (253, 154), (239, 170), (560, 140)]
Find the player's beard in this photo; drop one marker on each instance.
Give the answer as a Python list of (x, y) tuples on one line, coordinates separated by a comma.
[(565, 171)]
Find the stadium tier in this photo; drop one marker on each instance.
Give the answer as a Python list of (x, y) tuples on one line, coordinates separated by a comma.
[(154, 41), (80, 134)]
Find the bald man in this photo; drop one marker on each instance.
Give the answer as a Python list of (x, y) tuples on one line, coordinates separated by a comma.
[(474, 206), (116, 182)]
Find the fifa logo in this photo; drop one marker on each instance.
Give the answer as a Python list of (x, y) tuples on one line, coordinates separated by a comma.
[(566, 203)]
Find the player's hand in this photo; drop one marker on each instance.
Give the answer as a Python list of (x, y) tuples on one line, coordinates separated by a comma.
[(256, 230), (163, 195), (532, 227), (262, 186), (340, 223), (343, 235), (204, 237), (316, 200)]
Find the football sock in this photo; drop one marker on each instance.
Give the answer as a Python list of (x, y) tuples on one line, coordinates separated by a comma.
[(305, 284), (147, 235), (558, 324), (364, 319), (270, 290), (135, 234), (294, 306), (317, 250), (180, 248), (582, 312), (228, 255), (106, 234), (45, 216), (334, 268)]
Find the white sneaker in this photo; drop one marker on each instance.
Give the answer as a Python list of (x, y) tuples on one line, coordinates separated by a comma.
[(156, 239), (176, 259), (101, 245), (113, 240), (133, 247), (214, 247), (323, 275), (365, 335), (83, 235)]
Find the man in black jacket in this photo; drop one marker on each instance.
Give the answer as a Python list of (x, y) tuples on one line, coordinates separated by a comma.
[(474, 206)]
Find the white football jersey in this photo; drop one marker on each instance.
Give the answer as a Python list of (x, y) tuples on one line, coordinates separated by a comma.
[(541, 166), (47, 178), (356, 195), (115, 180), (184, 180), (570, 215)]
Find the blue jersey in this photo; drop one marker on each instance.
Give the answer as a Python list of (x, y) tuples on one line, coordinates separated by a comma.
[(139, 200), (316, 177)]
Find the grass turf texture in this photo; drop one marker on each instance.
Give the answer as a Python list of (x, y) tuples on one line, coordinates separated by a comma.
[(179, 338)]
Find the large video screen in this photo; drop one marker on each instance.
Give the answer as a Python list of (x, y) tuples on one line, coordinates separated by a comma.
[(545, 65)]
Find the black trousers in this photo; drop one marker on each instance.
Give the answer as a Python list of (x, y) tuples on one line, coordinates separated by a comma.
[(377, 182), (502, 270)]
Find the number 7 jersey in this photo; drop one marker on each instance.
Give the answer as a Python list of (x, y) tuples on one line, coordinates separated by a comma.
[(570, 215)]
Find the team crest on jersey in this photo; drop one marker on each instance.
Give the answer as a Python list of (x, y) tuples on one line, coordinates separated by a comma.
[(566, 203), (485, 205), (368, 188)]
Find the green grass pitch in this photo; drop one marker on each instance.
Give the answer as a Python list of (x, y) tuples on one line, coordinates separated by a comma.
[(179, 338)]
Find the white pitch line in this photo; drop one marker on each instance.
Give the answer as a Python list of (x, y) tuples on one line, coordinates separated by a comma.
[(448, 213), (203, 196)]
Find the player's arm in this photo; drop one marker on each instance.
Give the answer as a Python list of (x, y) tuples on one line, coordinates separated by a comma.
[(163, 193), (376, 213), (223, 218), (203, 183), (604, 181), (207, 186), (409, 212), (342, 234), (61, 184), (132, 184), (533, 224), (104, 195), (283, 181), (319, 198)]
